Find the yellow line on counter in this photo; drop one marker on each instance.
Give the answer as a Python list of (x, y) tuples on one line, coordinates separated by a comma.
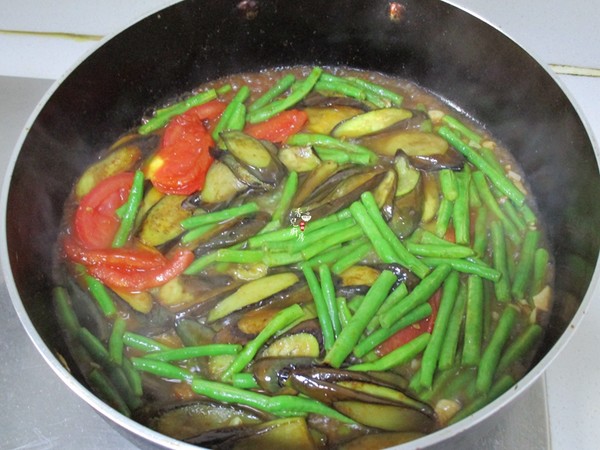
[(71, 36), (575, 70)]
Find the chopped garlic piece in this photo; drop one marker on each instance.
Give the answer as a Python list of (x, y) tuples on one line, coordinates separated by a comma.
[(542, 300), (446, 409), (435, 115)]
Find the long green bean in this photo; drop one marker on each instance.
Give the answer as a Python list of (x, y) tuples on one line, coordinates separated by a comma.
[(420, 294), (287, 194), (405, 258), (282, 85), (351, 258), (178, 354), (396, 357), (219, 216), (473, 321), (500, 180), (345, 343), (448, 184), (230, 111), (444, 215), (491, 355), (461, 213), (376, 89), (328, 290), (277, 106), (524, 268), (432, 352), (321, 307), (370, 229), (115, 342), (129, 210), (108, 391), (449, 348), (143, 343), (522, 345), (440, 251), (281, 320), (457, 125), (99, 292), (499, 255), (540, 269), (466, 266)]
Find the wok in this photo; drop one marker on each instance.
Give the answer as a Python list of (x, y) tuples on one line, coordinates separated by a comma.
[(444, 49)]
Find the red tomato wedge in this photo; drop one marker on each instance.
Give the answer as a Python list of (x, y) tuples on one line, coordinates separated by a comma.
[(413, 331), (279, 127), (141, 280), (96, 221), (129, 258), (180, 165)]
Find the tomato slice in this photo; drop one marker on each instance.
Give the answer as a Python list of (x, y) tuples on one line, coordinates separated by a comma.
[(130, 258), (96, 221), (132, 280), (279, 127), (413, 331), (180, 165)]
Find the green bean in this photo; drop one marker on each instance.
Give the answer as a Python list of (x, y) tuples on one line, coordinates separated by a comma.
[(349, 234), (219, 216), (201, 263), (522, 345), (394, 298), (66, 316), (499, 388), (490, 156), (108, 391), (195, 351), (461, 213), (322, 233), (340, 87), (528, 215), (421, 293), (448, 184), (345, 343), (453, 330), (342, 157), (238, 118), (282, 85), (322, 307), (277, 106), (354, 304), (513, 214), (328, 290), (281, 320), (162, 116), (491, 356), (278, 405), (276, 259), (239, 256), (490, 201), (224, 122), (143, 343), (466, 266), (314, 139), (432, 352), (474, 197), (404, 256), (480, 240), (440, 251), (287, 194), (95, 347), (380, 91), (427, 237), (245, 381), (344, 312), (99, 292), (473, 321), (524, 267), (499, 255), (500, 180), (397, 357), (444, 215), (133, 377), (540, 268), (383, 334), (352, 257), (129, 210), (120, 381), (115, 342), (281, 235), (457, 125), (197, 233), (162, 369), (380, 244)]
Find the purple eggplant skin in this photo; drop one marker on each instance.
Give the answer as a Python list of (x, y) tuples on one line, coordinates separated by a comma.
[(452, 160), (272, 373)]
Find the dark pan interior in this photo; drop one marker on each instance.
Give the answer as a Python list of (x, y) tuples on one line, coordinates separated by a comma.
[(442, 48)]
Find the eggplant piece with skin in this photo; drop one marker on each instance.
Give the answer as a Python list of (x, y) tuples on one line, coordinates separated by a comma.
[(254, 156), (313, 180), (231, 232), (370, 122), (407, 211), (412, 142), (452, 160), (186, 420), (272, 373), (377, 441)]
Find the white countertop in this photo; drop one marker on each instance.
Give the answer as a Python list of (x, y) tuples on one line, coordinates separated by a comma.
[(564, 35)]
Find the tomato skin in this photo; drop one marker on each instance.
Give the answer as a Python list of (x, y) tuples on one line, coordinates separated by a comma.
[(279, 127), (413, 331), (131, 258), (141, 280), (180, 165), (96, 222)]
